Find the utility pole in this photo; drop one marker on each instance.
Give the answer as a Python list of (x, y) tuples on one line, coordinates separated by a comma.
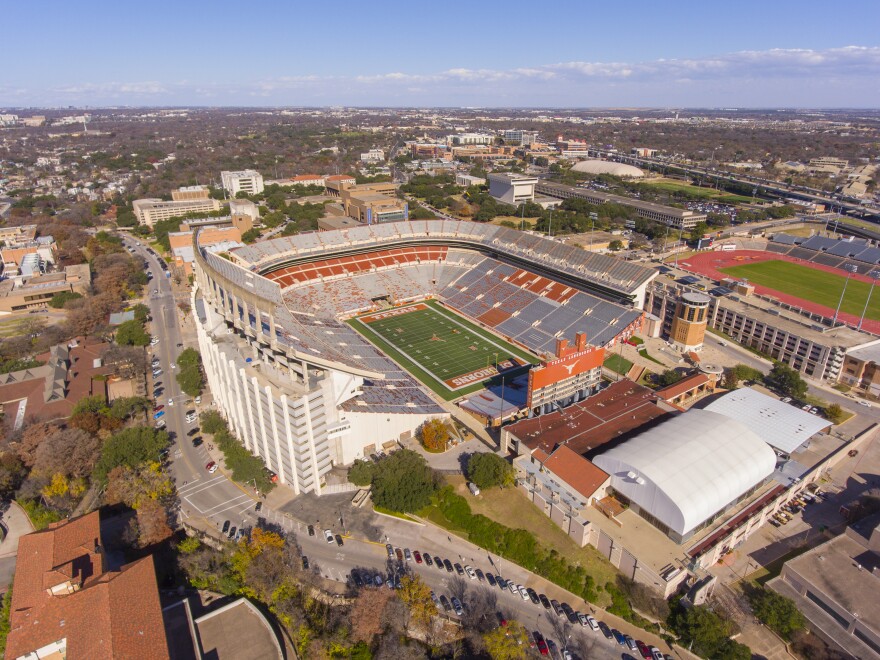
[(850, 270)]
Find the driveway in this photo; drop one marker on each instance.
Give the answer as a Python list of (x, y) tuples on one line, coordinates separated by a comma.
[(15, 524)]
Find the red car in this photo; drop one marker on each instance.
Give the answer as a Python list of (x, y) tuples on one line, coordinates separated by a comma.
[(417, 556), (158, 408), (211, 467), (644, 650), (542, 645)]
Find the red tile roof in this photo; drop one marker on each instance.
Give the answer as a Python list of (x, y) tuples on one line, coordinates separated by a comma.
[(682, 386), (100, 613), (576, 471)]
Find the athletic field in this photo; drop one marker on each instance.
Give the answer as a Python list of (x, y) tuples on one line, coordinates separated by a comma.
[(818, 286), (444, 351)]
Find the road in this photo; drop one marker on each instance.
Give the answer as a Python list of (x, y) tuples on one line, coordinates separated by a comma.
[(367, 557), (206, 500)]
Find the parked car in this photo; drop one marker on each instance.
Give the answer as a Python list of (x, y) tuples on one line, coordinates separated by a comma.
[(407, 554), (211, 467), (389, 549), (417, 556), (305, 561), (470, 572), (338, 540), (226, 525), (328, 535), (456, 605), (311, 530), (428, 560)]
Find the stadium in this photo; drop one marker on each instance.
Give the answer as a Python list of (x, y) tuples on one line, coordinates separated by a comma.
[(807, 275), (324, 347)]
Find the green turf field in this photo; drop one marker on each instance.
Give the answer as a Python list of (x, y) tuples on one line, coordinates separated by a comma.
[(815, 285), (698, 192), (444, 351)]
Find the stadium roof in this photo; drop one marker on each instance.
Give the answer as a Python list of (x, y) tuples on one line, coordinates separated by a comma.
[(688, 468), (780, 425), (607, 167)]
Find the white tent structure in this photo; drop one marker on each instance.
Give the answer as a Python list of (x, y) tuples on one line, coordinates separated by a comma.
[(687, 469)]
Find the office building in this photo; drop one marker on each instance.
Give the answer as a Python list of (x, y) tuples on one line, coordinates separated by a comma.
[(681, 219), (512, 188), (244, 208), (860, 369), (187, 193), (466, 180), (247, 181), (35, 292), (464, 139), (835, 586), (373, 156), (520, 137)]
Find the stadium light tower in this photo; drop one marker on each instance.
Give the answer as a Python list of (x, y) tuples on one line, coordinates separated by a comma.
[(874, 274), (850, 269)]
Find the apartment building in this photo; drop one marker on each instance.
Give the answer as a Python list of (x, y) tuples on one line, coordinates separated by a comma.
[(246, 181), (150, 211), (462, 139), (520, 137), (373, 156)]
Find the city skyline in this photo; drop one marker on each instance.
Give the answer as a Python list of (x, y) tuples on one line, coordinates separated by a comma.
[(454, 55)]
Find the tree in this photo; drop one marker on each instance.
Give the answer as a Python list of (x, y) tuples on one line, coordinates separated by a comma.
[(741, 372), (132, 333), (834, 412), (786, 380), (698, 231), (71, 452), (152, 524), (250, 236), (433, 434), (487, 469), (707, 632), (130, 447), (668, 377), (133, 486), (189, 372), (62, 298), (403, 482), (507, 642), (361, 473), (615, 245), (777, 612), (417, 597)]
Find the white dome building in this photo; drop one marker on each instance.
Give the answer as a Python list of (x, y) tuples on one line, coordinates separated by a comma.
[(607, 167), (683, 473)]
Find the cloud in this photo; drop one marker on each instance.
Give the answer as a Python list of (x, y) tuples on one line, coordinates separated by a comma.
[(835, 76)]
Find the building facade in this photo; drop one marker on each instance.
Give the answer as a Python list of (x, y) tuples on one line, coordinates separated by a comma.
[(246, 181), (150, 211), (512, 188), (689, 321)]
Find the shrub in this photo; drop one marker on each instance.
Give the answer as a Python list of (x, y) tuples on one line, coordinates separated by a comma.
[(488, 469)]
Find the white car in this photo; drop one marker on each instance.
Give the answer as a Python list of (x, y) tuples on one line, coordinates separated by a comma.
[(173, 366), (470, 572), (154, 341), (198, 399), (523, 592), (329, 536), (170, 402), (867, 404)]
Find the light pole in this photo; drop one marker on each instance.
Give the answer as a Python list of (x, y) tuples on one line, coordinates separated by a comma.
[(874, 274), (850, 270)]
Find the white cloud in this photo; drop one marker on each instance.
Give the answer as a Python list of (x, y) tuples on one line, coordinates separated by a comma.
[(741, 78)]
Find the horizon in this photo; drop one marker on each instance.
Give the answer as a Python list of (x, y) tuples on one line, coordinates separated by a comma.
[(757, 55)]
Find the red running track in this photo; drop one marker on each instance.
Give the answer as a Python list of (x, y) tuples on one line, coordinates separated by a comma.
[(709, 264)]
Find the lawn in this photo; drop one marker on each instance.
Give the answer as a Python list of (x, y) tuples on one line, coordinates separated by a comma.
[(618, 364), (20, 325), (444, 351), (511, 508), (817, 286), (698, 192)]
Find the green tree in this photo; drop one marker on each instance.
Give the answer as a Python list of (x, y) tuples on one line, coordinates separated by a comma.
[(508, 642), (250, 236), (189, 372), (403, 482), (361, 473), (615, 245), (777, 612), (834, 412), (141, 312), (132, 333), (668, 377), (130, 447), (486, 469), (59, 300), (786, 380), (707, 632), (740, 373), (698, 231)]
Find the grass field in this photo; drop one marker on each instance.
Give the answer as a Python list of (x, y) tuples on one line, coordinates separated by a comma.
[(815, 285), (698, 192), (444, 351), (618, 364)]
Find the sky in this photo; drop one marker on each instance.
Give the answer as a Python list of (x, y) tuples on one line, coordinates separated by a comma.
[(481, 53)]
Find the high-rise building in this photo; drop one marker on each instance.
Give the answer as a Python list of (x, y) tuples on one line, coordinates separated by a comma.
[(246, 181)]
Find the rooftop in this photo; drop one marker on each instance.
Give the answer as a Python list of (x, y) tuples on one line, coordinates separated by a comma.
[(576, 471), (587, 425), (780, 425)]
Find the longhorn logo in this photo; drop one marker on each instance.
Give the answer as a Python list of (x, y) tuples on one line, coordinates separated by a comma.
[(570, 367)]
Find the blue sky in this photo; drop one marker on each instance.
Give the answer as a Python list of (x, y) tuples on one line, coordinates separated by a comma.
[(775, 53)]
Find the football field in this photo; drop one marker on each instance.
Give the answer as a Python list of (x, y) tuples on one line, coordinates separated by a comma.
[(811, 284), (444, 351)]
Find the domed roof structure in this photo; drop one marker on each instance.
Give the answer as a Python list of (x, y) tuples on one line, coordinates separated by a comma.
[(607, 167)]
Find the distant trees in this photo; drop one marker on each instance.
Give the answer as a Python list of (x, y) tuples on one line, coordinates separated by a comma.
[(487, 469)]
